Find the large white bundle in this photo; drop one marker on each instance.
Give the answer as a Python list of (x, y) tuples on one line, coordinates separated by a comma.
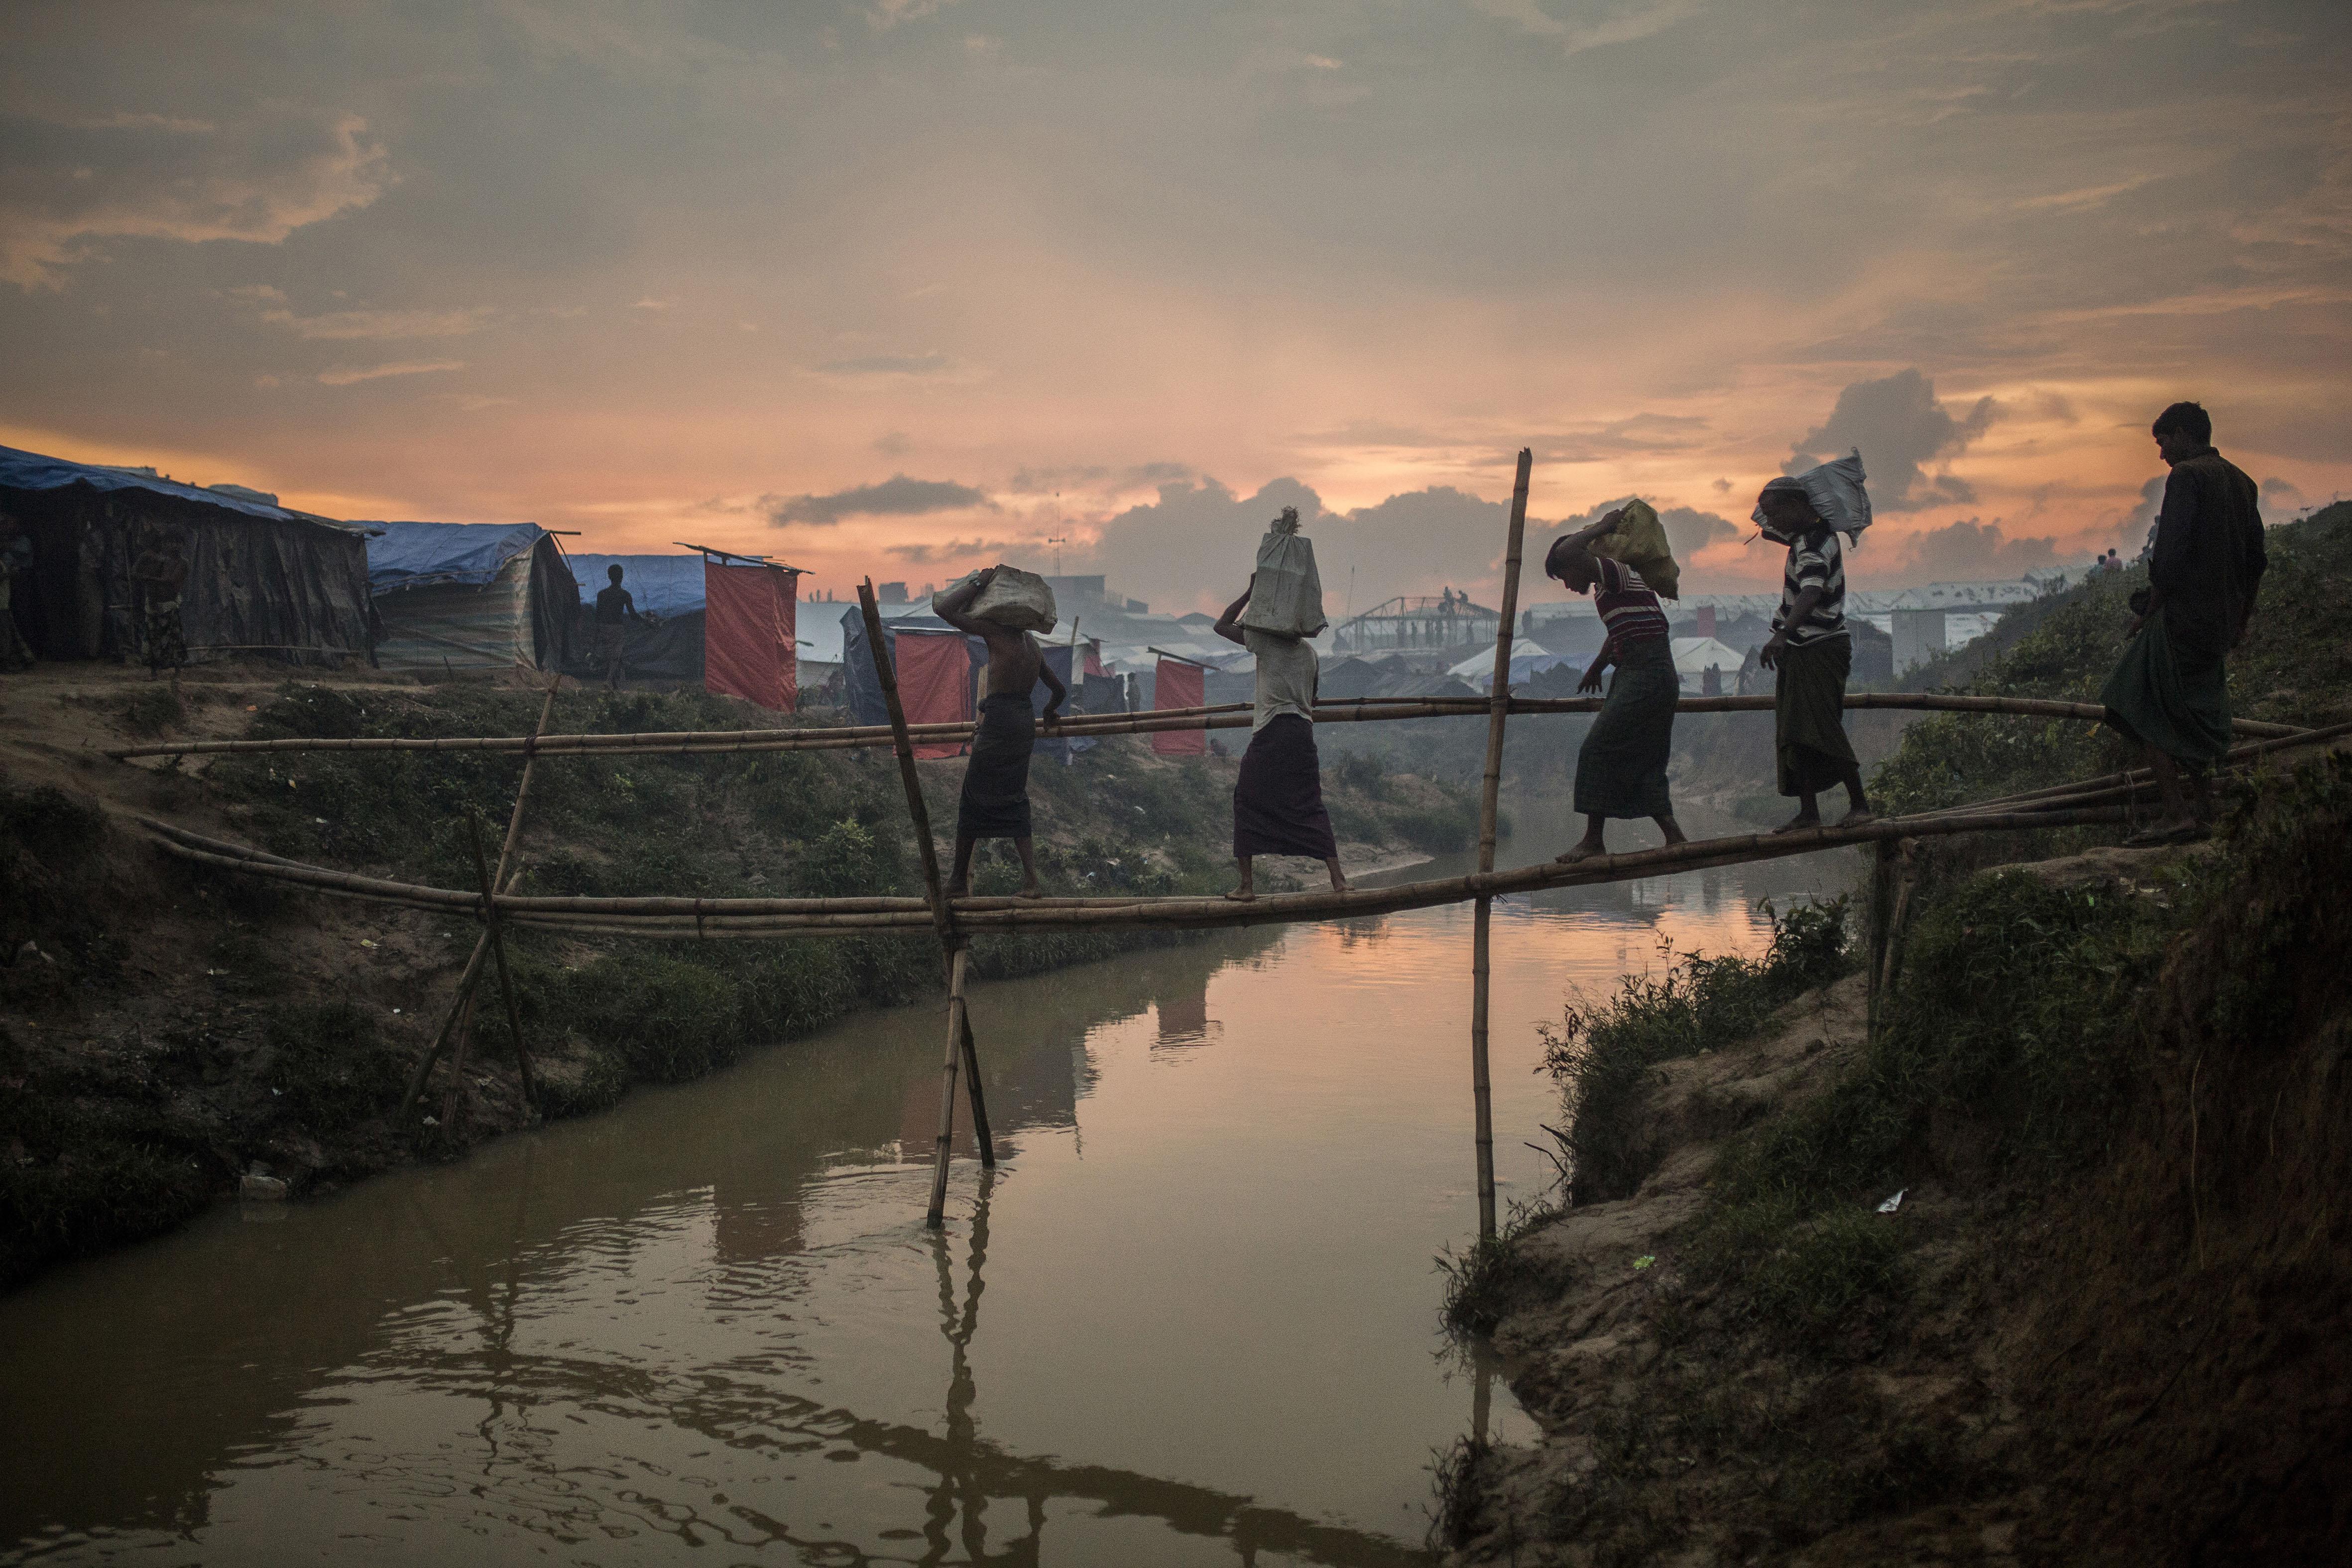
[(1286, 596), (1837, 494), (1020, 599)]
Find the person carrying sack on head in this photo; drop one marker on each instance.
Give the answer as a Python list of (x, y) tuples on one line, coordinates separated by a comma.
[(1278, 796), (1621, 769), (995, 800), (1811, 655), (2170, 693)]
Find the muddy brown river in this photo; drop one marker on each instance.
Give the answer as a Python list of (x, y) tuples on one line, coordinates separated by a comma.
[(1193, 1318)]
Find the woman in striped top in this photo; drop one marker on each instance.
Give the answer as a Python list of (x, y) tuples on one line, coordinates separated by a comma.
[(1621, 771)]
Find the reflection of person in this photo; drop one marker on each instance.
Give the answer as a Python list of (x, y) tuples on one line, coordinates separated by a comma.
[(995, 800), (615, 608), (1621, 771), (1810, 654), (1278, 796), (160, 576), (2170, 692), (16, 567)]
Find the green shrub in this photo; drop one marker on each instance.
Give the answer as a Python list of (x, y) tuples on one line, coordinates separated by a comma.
[(1603, 1055), (330, 1065)]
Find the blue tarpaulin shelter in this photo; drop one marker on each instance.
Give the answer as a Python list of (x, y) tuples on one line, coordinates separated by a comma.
[(263, 580), (667, 588), (470, 596)]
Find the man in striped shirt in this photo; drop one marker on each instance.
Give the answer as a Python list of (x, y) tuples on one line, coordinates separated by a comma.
[(1811, 655)]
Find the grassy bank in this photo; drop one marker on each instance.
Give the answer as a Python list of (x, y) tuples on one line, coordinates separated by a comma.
[(167, 1028), (2112, 1104)]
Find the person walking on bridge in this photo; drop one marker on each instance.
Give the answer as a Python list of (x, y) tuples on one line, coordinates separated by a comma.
[(995, 800), (1621, 769), (1278, 797), (1811, 655), (2170, 693)]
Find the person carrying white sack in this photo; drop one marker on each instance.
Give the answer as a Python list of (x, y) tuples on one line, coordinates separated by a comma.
[(1810, 654), (1278, 797)]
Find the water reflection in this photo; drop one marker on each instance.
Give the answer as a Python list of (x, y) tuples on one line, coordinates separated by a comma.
[(713, 1316)]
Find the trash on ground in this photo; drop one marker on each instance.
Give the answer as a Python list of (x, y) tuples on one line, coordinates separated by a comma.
[(1892, 1204)]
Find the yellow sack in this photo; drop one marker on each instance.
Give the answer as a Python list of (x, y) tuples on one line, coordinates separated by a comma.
[(1640, 541)]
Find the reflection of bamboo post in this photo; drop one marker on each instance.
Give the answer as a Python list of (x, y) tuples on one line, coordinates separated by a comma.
[(959, 968), (960, 1041), (1481, 1086), (473, 970)]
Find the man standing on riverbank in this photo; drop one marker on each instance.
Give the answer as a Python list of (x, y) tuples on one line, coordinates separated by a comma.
[(1811, 655), (1278, 797), (995, 800), (2170, 692)]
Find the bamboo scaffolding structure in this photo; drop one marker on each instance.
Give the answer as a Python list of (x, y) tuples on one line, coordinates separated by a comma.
[(499, 952), (1482, 1088), (472, 972), (1224, 716), (953, 948)]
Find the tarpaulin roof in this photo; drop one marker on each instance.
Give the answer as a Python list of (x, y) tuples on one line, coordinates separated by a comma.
[(660, 584), (32, 471), (412, 555)]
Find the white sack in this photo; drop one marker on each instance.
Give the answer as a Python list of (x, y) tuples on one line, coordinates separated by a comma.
[(1837, 494), (1288, 594), (1020, 599)]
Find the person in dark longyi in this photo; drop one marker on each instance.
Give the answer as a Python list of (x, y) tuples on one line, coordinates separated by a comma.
[(1621, 769), (995, 800), (1278, 796), (2170, 692), (615, 608), (1810, 654)]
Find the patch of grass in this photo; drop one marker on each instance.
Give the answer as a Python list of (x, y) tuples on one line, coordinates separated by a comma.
[(1482, 1282), (330, 1064), (153, 709), (1604, 1054)]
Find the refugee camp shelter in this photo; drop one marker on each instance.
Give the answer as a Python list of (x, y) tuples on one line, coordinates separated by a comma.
[(470, 596), (1694, 657), (1528, 659), (724, 620), (667, 645), (263, 580)]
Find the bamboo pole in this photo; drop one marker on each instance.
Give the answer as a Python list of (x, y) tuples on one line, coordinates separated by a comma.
[(951, 945), (473, 970), (959, 969), (498, 951), (1223, 715), (1482, 1091)]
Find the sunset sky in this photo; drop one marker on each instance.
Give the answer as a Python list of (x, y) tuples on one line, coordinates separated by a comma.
[(903, 286)]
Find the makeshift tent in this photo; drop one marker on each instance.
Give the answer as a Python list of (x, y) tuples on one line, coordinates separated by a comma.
[(1694, 656), (668, 590), (262, 580), (470, 596), (934, 671), (1180, 684), (750, 608), (1528, 659)]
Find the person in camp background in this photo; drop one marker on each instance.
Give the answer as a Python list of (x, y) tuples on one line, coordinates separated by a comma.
[(1278, 797), (2170, 692), (1621, 769), (615, 608), (1811, 656), (995, 800), (160, 576)]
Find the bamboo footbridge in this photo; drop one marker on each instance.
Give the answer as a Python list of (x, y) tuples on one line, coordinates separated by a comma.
[(955, 921)]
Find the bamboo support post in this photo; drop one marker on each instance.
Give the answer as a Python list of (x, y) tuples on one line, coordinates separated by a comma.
[(498, 951), (1482, 1091), (472, 972), (952, 945)]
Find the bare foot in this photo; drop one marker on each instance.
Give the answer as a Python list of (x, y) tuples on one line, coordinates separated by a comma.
[(1243, 894), (1029, 890), (1579, 853), (1799, 823), (1338, 884), (1857, 817)]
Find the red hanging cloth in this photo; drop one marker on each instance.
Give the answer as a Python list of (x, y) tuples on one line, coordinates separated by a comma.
[(751, 614), (934, 685), (1180, 684)]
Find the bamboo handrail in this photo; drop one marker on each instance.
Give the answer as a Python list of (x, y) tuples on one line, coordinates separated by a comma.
[(1224, 716), (1490, 788)]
